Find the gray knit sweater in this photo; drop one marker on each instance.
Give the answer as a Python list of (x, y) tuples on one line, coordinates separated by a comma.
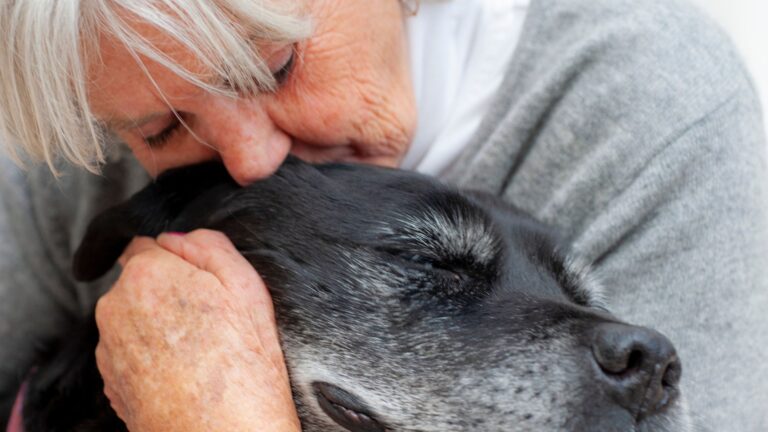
[(630, 125)]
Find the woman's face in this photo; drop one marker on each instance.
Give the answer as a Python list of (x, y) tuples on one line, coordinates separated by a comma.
[(344, 94)]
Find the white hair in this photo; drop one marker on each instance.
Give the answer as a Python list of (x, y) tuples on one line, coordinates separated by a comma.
[(50, 45)]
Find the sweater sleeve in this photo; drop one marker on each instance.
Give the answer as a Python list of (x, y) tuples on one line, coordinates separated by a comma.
[(632, 127), (42, 220), (35, 300), (684, 248)]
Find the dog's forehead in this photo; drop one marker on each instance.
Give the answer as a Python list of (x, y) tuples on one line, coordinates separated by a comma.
[(302, 210), (399, 288), (360, 232)]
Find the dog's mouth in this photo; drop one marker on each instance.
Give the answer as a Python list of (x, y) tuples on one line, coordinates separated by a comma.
[(672, 421), (346, 409)]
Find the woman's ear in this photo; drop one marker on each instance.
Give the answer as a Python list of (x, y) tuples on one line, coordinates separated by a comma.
[(147, 213)]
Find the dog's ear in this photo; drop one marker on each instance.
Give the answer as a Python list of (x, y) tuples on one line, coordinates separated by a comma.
[(148, 213), (109, 233)]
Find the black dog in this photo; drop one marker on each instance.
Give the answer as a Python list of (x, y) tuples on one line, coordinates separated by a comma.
[(402, 304)]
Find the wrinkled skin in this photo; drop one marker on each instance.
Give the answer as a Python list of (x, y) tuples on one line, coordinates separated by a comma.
[(422, 309), (347, 97)]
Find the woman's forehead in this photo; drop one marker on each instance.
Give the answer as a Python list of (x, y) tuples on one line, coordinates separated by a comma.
[(122, 83)]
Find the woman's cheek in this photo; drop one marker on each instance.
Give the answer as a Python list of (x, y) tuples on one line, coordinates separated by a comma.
[(322, 115), (342, 105)]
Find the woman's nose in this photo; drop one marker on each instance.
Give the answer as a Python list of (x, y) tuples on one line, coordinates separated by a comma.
[(249, 143)]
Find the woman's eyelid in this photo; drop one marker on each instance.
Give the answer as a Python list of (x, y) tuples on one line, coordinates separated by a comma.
[(280, 69), (280, 57), (157, 125), (163, 135), (281, 74), (175, 120)]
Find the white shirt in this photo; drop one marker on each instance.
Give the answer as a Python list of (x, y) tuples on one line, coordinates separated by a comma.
[(459, 51)]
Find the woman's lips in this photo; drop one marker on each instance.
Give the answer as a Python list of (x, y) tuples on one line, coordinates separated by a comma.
[(319, 153), (349, 152)]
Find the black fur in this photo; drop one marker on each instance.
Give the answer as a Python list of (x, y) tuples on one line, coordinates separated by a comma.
[(390, 276)]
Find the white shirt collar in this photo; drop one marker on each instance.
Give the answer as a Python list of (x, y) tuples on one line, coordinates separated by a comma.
[(459, 50)]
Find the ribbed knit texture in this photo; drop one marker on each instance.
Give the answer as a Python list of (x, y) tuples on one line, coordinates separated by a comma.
[(633, 128)]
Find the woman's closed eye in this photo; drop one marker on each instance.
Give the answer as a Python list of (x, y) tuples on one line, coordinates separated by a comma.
[(283, 64), (159, 139), (284, 71)]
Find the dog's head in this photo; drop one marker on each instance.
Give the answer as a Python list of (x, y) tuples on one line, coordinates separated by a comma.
[(407, 305)]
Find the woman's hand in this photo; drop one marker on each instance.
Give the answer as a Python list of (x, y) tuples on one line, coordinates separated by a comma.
[(188, 340)]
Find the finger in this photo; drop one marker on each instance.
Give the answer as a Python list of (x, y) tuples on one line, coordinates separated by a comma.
[(102, 310), (213, 252), (135, 247)]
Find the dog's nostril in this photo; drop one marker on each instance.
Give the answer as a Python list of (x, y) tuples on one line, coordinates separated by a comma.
[(635, 360), (638, 367), (672, 374), (617, 362)]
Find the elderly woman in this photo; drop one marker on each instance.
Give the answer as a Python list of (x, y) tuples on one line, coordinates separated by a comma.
[(629, 125)]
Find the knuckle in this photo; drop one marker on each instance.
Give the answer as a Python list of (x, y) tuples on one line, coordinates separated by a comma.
[(142, 268), (138, 284), (101, 357), (144, 258), (137, 246), (141, 241), (103, 311), (207, 237)]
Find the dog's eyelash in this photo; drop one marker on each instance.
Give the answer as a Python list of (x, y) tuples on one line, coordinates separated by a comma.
[(430, 265), (417, 259), (414, 258)]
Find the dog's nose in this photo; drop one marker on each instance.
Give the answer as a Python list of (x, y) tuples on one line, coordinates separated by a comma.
[(639, 367)]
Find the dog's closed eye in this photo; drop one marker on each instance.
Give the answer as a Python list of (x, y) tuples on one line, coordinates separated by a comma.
[(431, 265), (430, 278)]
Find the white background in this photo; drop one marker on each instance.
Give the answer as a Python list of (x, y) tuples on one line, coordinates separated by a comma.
[(747, 23)]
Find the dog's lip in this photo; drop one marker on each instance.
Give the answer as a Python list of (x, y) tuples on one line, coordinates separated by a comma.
[(654, 422), (346, 409)]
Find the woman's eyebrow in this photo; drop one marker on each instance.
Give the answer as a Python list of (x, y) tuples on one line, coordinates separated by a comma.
[(119, 123)]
